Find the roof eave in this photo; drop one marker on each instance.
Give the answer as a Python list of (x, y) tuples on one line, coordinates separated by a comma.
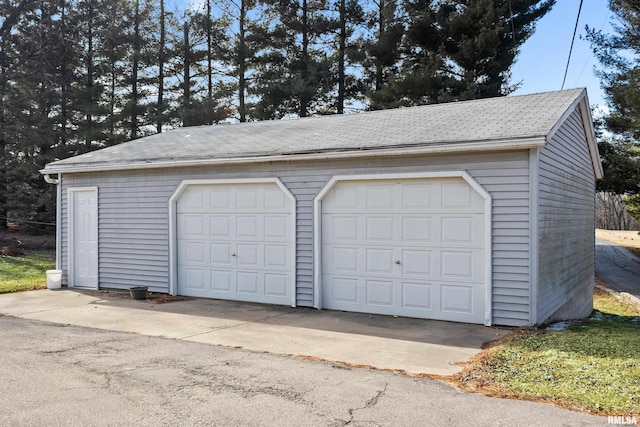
[(476, 146)]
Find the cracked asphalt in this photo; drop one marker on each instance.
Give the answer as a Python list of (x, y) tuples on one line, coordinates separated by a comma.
[(66, 375), (617, 267)]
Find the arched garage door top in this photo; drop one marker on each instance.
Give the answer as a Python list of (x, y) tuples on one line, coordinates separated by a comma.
[(415, 245)]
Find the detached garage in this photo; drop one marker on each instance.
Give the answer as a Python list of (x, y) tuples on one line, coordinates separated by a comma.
[(479, 211)]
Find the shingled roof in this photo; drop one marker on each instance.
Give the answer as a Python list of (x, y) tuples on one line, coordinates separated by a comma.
[(494, 123)]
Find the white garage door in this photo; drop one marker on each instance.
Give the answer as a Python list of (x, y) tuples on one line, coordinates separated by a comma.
[(410, 247), (235, 241)]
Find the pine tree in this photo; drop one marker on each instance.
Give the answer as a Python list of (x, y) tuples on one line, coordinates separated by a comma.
[(294, 68), (462, 49), (619, 55), (381, 49)]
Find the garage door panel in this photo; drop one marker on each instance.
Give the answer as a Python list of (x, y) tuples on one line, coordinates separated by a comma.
[(380, 229), (460, 197), (342, 228), (221, 281), (220, 254), (276, 227), (220, 199), (457, 298), (462, 231), (379, 292), (274, 200), (417, 263), (345, 290), (416, 296), (192, 226), (247, 282), (410, 247), (460, 265), (248, 255), (417, 197), (247, 227), (343, 199), (275, 284), (221, 226), (344, 260), (195, 252), (237, 244), (417, 229), (276, 257), (194, 201), (379, 261), (247, 199), (194, 278), (379, 197)]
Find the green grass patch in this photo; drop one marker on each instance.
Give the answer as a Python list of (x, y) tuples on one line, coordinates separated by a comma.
[(26, 272), (593, 366)]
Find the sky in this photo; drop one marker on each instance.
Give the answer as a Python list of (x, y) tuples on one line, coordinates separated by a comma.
[(542, 61)]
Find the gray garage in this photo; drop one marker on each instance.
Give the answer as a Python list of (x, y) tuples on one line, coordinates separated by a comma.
[(478, 211)]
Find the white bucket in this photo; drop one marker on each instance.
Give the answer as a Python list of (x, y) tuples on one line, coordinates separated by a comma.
[(54, 279)]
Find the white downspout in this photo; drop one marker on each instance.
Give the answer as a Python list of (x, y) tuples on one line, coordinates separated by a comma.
[(56, 181)]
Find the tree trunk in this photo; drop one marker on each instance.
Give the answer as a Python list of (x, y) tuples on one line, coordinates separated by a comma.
[(3, 142), (159, 120), (342, 54), (209, 63), (134, 71), (186, 86), (242, 65), (89, 83), (381, 29), (304, 72)]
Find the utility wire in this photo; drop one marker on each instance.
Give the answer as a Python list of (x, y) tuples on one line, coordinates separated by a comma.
[(513, 28), (575, 29), (590, 51)]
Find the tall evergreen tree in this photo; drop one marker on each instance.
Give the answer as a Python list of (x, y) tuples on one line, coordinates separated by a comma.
[(381, 49), (349, 17), (462, 49), (619, 55), (294, 71)]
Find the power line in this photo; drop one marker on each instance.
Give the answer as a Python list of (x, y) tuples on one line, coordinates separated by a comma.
[(591, 52), (575, 29), (513, 28)]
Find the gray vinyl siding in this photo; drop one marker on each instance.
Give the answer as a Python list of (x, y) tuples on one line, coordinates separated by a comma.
[(133, 217), (565, 217)]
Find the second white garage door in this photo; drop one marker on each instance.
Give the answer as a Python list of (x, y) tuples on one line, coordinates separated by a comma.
[(235, 241), (410, 247)]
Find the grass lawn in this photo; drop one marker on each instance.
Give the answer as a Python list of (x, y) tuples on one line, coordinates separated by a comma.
[(26, 272), (593, 366)]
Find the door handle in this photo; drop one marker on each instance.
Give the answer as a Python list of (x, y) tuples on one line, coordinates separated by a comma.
[(397, 261), (233, 254)]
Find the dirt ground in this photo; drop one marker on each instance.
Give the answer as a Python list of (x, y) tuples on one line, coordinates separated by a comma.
[(29, 242), (626, 238)]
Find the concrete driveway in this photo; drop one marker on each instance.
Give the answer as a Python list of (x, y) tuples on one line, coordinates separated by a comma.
[(617, 267), (384, 342)]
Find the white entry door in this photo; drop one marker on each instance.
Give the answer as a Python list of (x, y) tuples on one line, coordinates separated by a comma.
[(410, 247), (235, 241), (83, 238)]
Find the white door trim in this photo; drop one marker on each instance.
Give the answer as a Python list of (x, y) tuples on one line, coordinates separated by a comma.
[(71, 232), (317, 226), (173, 226)]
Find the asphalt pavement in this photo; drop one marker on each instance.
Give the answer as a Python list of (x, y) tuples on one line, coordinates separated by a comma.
[(617, 267), (55, 374)]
